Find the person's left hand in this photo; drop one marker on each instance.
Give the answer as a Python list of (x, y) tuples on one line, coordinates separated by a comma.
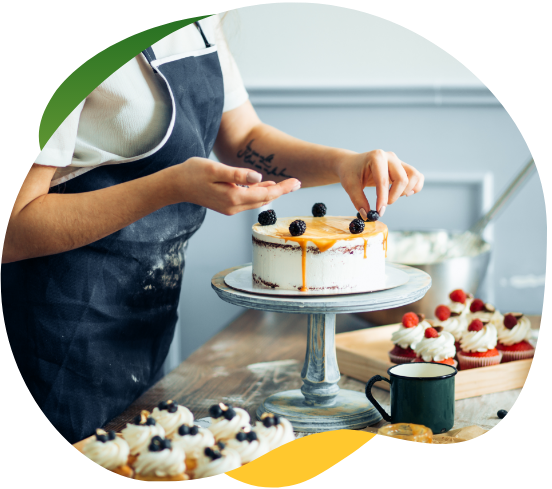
[(378, 169)]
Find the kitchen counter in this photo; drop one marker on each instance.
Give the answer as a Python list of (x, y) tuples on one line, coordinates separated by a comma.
[(261, 353)]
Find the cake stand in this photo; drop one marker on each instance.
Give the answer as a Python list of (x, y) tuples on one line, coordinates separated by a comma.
[(320, 405)]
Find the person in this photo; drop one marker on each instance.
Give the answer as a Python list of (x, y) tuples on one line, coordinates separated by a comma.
[(94, 250)]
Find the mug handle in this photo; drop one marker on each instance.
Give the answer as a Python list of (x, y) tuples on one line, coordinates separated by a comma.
[(369, 385)]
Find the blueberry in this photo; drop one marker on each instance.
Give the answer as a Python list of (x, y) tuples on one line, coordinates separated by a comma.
[(251, 436), (154, 447), (372, 216), (297, 228), (137, 419), (216, 455), (241, 436), (163, 405), (502, 413), (319, 210), (208, 452), (102, 438), (221, 445), (194, 430), (184, 430), (267, 218), (215, 411), (150, 421), (356, 226), (173, 407), (268, 421), (166, 444), (229, 414), (111, 435)]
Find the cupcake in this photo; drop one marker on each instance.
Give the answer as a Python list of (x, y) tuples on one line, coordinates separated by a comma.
[(139, 433), (275, 430), (192, 440), (170, 416), (513, 336), (248, 445), (227, 421), (437, 346), (109, 451), (455, 325), (485, 312), (405, 339), (216, 460), (160, 462), (478, 346)]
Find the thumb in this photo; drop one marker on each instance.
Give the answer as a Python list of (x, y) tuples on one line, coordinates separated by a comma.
[(239, 176), (359, 200)]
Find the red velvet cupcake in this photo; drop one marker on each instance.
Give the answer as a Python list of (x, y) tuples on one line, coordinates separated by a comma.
[(406, 337), (478, 346), (513, 336), (437, 346)]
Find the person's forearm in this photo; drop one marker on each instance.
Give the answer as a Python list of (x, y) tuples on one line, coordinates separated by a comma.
[(275, 154), (54, 223)]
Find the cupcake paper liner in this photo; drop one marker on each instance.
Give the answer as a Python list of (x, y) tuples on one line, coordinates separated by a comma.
[(467, 362), (512, 356), (398, 359)]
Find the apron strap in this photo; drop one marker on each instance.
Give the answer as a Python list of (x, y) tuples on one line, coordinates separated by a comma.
[(207, 43)]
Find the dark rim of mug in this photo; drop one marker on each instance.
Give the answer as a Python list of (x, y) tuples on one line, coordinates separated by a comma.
[(446, 376)]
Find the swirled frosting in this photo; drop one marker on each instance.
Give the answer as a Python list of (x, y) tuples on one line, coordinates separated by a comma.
[(520, 332), (486, 317), (193, 445), (206, 467), (278, 435), (459, 308), (248, 450), (409, 337), (167, 462), (436, 349), (479, 341), (223, 429), (111, 454), (172, 421), (455, 325), (139, 436)]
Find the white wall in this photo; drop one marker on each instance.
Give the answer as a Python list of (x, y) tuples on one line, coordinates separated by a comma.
[(323, 45)]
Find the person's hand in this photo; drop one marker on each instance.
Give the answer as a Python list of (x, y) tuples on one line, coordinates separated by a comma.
[(378, 169), (217, 186)]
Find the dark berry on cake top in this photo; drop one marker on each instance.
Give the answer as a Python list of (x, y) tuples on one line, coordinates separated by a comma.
[(319, 210), (356, 226), (267, 218), (297, 228), (371, 216)]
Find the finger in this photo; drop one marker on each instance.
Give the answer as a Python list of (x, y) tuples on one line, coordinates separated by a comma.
[(413, 178), (240, 176), (264, 184), (398, 177), (380, 173), (257, 194), (356, 193), (420, 184)]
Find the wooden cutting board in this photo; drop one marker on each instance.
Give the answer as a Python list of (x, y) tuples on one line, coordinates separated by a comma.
[(362, 354)]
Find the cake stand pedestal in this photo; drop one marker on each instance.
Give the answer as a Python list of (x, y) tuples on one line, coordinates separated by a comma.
[(320, 405)]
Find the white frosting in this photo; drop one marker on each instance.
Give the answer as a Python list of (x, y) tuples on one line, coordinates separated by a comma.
[(459, 308), (436, 349), (206, 467), (223, 429), (193, 445), (172, 421), (479, 341), (520, 332), (161, 464), (455, 325), (487, 317), (277, 435), (341, 267), (111, 454), (248, 451), (139, 436), (409, 337)]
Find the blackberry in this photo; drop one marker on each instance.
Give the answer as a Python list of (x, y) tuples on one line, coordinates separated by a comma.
[(319, 210), (267, 218), (297, 228), (356, 226), (502, 413)]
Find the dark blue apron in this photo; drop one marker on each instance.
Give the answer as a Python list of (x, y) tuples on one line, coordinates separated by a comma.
[(90, 328)]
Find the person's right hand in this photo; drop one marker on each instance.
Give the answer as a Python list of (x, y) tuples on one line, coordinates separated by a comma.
[(217, 186)]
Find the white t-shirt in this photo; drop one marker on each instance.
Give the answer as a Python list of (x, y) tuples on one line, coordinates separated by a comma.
[(130, 112)]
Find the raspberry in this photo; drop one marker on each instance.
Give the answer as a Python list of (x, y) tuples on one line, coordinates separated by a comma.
[(356, 226), (477, 305), (431, 333), (319, 210), (458, 295), (510, 321), (410, 320), (297, 228), (267, 218), (442, 313), (475, 325)]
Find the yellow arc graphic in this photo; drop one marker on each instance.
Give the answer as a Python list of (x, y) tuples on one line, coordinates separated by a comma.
[(301, 459)]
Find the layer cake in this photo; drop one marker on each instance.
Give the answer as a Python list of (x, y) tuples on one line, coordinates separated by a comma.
[(326, 257)]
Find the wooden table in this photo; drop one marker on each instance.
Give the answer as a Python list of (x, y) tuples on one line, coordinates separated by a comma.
[(261, 353)]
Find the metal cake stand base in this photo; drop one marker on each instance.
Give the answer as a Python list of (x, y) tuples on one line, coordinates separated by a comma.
[(320, 405)]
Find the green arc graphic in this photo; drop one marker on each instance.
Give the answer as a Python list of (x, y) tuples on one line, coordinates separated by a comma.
[(79, 84)]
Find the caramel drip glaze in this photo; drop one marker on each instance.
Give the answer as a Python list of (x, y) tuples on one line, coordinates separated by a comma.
[(324, 232)]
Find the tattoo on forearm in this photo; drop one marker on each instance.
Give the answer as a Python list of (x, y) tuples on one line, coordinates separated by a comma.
[(260, 162)]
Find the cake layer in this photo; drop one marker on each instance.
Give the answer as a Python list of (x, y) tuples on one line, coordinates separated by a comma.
[(326, 257)]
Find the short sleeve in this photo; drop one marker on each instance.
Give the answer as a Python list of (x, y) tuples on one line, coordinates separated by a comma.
[(235, 93), (59, 149)]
